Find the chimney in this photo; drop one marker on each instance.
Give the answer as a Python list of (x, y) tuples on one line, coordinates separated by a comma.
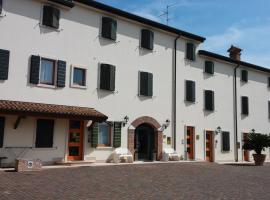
[(235, 53)]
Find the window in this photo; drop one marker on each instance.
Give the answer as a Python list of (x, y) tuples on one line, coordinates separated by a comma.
[(107, 77), (146, 84), (79, 76), (268, 82), (190, 51), (190, 91), (104, 136), (44, 133), (245, 107), (244, 75), (47, 71), (2, 130), (225, 141), (269, 109), (51, 17), (209, 100), (1, 6), (109, 28), (209, 67), (4, 64), (147, 39)]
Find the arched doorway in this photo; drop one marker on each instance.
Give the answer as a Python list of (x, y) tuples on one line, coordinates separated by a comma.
[(150, 125), (144, 142)]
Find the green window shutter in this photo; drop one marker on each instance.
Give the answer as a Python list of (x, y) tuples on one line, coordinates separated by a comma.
[(245, 107), (94, 135), (34, 69), (209, 100), (2, 130), (107, 77), (225, 141), (190, 91), (61, 73), (268, 109), (112, 78), (44, 133), (150, 85), (190, 51), (117, 134), (209, 67), (109, 28), (147, 39), (1, 6), (244, 75), (51, 16), (4, 64)]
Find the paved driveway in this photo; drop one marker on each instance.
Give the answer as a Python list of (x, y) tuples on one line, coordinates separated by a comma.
[(152, 181)]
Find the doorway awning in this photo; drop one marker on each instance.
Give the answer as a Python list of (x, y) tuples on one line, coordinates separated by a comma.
[(50, 110)]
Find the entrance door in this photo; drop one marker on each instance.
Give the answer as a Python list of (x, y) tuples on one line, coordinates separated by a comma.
[(144, 142), (190, 143), (75, 140), (209, 146), (246, 152)]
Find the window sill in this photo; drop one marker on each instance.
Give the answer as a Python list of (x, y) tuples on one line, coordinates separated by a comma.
[(104, 148), (46, 86), (44, 148), (78, 86), (50, 28)]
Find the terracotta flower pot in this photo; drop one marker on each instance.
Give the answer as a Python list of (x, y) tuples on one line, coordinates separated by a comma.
[(259, 159)]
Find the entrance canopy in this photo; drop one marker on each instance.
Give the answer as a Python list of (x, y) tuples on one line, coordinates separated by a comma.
[(50, 110)]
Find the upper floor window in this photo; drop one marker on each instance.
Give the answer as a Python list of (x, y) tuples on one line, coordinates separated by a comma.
[(107, 77), (244, 76), (47, 71), (51, 16), (190, 51), (244, 106), (78, 77), (44, 133), (269, 109), (109, 28), (190, 91), (4, 64), (147, 39), (146, 84), (209, 67), (209, 100), (1, 6), (268, 84)]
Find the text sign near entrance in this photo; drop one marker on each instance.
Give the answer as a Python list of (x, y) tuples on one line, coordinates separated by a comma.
[(75, 140)]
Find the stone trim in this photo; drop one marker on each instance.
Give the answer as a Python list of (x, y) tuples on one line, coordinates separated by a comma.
[(158, 134)]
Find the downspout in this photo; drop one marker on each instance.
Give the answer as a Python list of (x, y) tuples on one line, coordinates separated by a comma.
[(235, 113), (174, 82)]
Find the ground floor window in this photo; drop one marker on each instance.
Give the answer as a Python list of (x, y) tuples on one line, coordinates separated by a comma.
[(104, 135), (44, 133), (2, 127)]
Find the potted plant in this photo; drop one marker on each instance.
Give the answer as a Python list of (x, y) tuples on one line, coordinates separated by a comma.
[(257, 142)]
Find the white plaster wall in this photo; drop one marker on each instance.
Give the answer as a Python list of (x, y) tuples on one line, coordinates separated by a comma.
[(20, 142), (193, 114), (258, 94), (78, 43)]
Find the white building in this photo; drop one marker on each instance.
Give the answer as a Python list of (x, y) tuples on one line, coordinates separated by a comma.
[(64, 63)]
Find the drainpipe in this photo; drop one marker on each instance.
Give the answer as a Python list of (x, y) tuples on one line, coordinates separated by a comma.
[(235, 113), (174, 91)]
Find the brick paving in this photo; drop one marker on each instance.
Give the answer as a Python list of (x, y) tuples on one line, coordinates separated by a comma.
[(158, 181)]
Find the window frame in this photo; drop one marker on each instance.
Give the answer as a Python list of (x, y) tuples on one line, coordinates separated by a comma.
[(193, 52), (242, 77), (55, 61), (213, 63), (74, 85), (42, 16), (109, 38), (110, 132), (53, 134), (153, 39)]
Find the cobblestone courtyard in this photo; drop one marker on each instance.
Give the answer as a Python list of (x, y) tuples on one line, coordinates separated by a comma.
[(150, 181)]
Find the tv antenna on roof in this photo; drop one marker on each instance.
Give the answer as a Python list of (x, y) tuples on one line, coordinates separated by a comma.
[(167, 12)]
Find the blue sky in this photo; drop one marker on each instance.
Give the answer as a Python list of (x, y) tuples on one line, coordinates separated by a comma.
[(244, 23)]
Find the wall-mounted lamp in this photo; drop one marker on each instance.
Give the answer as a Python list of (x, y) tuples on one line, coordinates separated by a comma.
[(125, 121), (218, 130), (253, 130), (166, 124)]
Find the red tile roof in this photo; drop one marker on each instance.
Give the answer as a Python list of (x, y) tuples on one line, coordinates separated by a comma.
[(50, 110)]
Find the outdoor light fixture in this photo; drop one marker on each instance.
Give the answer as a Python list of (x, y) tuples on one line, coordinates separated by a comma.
[(166, 124), (126, 119), (218, 130), (253, 130)]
